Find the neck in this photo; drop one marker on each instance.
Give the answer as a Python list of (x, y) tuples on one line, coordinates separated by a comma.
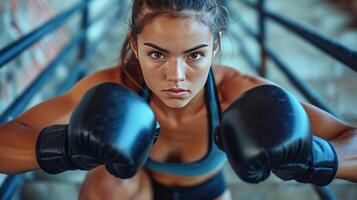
[(179, 114)]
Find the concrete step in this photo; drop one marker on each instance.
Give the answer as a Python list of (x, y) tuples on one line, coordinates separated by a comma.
[(55, 187), (49, 189), (275, 189), (67, 185)]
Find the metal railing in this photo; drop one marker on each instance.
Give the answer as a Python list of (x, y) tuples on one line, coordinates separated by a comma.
[(346, 56), (79, 41), (331, 48)]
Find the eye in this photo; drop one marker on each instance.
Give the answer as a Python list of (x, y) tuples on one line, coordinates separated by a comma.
[(156, 55), (196, 56)]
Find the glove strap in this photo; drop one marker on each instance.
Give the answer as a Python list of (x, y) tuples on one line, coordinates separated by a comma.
[(52, 151), (323, 163)]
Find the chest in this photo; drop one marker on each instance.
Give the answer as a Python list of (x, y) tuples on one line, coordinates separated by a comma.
[(186, 141)]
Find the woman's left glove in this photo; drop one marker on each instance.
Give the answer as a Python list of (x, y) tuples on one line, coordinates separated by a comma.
[(320, 168), (267, 129)]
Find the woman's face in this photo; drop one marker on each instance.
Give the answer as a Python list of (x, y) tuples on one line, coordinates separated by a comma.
[(175, 56)]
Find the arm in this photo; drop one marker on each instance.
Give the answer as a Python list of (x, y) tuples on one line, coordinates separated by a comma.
[(345, 146), (18, 137), (342, 136)]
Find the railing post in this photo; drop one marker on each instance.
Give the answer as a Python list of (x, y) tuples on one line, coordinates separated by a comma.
[(83, 47), (262, 36)]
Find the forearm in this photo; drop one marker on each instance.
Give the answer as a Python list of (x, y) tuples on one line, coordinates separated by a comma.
[(17, 148), (346, 149)]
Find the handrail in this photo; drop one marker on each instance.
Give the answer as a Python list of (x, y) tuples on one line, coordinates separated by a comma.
[(11, 182), (335, 50), (12, 50), (305, 90), (302, 87), (262, 38), (9, 186), (332, 48), (79, 67), (245, 54), (24, 99), (326, 193)]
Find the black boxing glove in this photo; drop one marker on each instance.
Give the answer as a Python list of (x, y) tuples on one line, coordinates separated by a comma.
[(320, 168), (111, 126), (267, 129)]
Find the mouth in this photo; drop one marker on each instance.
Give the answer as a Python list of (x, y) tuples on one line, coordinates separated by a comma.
[(177, 90), (176, 93)]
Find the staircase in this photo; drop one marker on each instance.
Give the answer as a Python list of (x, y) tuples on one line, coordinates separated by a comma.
[(334, 82)]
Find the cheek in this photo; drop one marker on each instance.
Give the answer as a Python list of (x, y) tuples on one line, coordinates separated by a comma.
[(153, 78), (146, 74), (149, 69), (198, 78), (148, 64)]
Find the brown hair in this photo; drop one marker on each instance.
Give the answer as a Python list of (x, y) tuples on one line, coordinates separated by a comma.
[(209, 12)]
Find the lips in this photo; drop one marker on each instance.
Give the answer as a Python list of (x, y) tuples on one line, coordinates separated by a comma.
[(176, 93), (177, 90)]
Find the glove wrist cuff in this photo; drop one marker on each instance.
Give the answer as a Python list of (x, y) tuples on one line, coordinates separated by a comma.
[(324, 164), (52, 151)]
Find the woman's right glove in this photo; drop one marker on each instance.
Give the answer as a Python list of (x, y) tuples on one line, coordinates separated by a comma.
[(111, 126)]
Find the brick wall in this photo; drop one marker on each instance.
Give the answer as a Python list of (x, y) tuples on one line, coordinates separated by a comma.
[(350, 6), (18, 18)]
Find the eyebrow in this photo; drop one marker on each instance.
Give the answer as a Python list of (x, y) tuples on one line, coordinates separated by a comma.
[(167, 51)]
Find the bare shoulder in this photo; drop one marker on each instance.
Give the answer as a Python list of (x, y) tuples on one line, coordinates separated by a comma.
[(110, 74), (58, 109), (231, 82)]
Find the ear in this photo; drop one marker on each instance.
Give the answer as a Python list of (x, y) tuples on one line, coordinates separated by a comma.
[(133, 45), (216, 43), (215, 47)]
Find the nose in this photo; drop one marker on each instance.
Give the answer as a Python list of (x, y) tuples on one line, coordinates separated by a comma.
[(176, 70)]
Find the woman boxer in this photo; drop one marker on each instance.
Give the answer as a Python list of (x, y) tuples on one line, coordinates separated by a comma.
[(167, 58)]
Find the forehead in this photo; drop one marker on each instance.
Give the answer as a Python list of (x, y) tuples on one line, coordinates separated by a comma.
[(176, 31)]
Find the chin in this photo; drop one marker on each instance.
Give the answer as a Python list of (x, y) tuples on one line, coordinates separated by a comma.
[(173, 103)]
